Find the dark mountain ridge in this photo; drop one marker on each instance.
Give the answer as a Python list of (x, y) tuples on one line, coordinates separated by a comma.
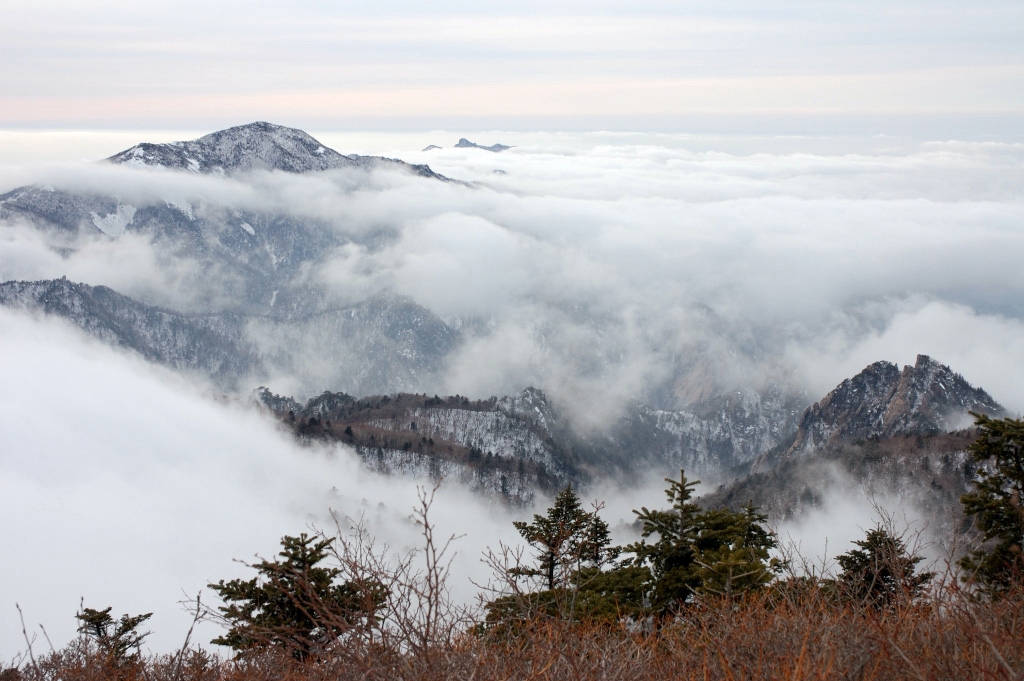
[(528, 427), (368, 347), (208, 345), (887, 431), (882, 402)]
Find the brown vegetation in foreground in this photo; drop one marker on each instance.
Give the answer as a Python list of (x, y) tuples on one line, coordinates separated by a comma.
[(787, 633), (703, 602)]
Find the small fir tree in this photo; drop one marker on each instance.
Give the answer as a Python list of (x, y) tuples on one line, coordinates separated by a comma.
[(296, 602), (567, 539), (882, 572), (696, 551), (571, 546), (117, 638)]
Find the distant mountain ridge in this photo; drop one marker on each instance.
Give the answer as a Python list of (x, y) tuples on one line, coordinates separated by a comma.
[(208, 345), (464, 143), (889, 429), (528, 427), (253, 260), (256, 146), (368, 347)]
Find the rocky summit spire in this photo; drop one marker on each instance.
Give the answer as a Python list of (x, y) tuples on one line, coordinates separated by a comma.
[(882, 401)]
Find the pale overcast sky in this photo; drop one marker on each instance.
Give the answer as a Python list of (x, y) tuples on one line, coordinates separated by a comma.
[(581, 65)]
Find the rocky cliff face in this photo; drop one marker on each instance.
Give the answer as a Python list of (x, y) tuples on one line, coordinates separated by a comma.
[(881, 402), (886, 435)]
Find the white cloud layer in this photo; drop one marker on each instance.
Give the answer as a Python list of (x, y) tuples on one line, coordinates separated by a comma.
[(602, 266), (595, 267), (123, 485)]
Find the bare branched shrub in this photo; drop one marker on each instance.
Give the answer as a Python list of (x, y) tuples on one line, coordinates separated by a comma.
[(418, 621)]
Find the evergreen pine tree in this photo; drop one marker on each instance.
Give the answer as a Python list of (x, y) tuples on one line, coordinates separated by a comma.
[(696, 551), (671, 556), (116, 638), (567, 539), (997, 504), (296, 602), (882, 572)]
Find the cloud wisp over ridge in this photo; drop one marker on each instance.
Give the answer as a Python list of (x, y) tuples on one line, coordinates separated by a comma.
[(613, 265), (126, 486)]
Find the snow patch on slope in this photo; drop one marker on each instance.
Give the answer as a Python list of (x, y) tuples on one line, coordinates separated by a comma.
[(114, 224)]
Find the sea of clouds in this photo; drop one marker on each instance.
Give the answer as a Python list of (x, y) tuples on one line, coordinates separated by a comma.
[(124, 485), (602, 268), (612, 267)]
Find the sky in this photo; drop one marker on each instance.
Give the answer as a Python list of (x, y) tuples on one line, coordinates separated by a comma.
[(563, 65)]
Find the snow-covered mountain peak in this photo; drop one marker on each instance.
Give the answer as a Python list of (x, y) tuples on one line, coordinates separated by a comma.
[(255, 146), (258, 146)]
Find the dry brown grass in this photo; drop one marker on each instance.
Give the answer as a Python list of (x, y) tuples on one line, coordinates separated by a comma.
[(800, 629), (772, 635)]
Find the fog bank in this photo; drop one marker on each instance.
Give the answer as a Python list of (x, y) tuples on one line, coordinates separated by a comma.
[(125, 486), (607, 267)]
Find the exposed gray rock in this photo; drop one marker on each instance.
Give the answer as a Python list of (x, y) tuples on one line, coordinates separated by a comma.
[(882, 401)]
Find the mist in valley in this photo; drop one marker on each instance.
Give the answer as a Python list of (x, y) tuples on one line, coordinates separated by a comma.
[(604, 269), (610, 268)]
